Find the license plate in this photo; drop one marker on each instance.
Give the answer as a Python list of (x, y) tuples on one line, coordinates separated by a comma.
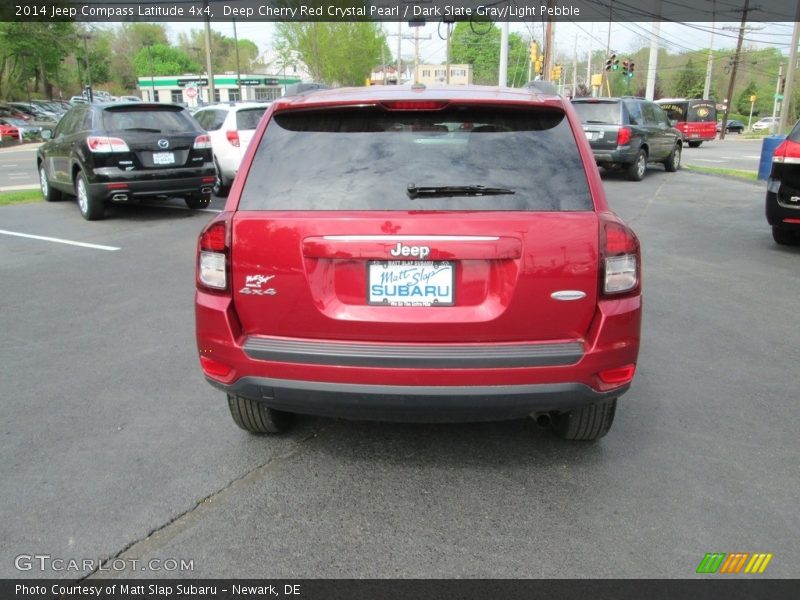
[(410, 283), (163, 158), (590, 135), (695, 135)]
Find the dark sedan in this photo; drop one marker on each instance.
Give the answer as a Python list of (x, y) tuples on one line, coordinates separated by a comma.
[(783, 191), (122, 152), (733, 126)]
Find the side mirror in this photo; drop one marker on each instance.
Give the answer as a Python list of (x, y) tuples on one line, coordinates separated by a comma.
[(47, 134)]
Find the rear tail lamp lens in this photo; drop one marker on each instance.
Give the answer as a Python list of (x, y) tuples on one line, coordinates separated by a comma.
[(624, 136), (621, 274), (620, 258), (212, 266), (202, 142), (787, 152), (101, 143), (232, 137), (212, 270)]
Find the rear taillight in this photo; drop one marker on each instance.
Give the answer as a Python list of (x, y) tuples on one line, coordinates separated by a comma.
[(202, 142), (620, 259), (787, 152), (102, 143), (624, 136), (415, 104), (232, 137), (212, 259)]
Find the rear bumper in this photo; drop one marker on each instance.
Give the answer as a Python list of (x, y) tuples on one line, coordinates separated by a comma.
[(781, 210), (406, 403), (624, 156), (152, 183), (418, 382)]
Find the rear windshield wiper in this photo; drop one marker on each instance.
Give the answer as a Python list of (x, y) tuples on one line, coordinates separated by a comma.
[(148, 129), (455, 190), (599, 122)]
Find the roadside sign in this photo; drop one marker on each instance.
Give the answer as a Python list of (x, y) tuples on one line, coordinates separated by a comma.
[(778, 96), (190, 92), (752, 98)]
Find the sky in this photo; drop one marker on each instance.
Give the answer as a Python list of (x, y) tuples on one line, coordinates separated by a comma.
[(625, 37)]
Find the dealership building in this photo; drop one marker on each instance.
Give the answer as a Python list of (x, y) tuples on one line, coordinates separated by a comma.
[(193, 90)]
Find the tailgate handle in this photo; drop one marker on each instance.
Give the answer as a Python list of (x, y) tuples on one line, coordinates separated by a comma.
[(440, 247)]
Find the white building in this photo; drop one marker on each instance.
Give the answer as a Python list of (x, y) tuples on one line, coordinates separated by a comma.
[(192, 89)]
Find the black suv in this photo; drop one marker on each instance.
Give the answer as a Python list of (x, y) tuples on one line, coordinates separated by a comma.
[(123, 152), (628, 133)]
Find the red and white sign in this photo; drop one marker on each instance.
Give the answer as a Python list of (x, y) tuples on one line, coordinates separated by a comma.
[(190, 92)]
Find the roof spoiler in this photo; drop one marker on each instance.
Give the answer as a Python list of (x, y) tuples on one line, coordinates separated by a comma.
[(297, 89)]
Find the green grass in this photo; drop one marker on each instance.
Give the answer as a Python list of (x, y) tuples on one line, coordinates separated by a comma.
[(20, 197), (736, 173)]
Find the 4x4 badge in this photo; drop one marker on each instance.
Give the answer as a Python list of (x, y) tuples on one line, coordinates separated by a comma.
[(253, 283)]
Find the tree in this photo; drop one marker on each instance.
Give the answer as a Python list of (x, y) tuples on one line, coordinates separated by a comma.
[(163, 60), (223, 50), (743, 103), (690, 82), (132, 35), (336, 53), (479, 47)]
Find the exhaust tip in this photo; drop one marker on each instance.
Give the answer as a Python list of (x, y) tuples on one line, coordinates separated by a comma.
[(543, 420), (119, 198), (205, 190)]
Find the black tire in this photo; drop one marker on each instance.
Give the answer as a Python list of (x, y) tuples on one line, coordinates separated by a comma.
[(785, 237), (221, 186), (49, 194), (197, 201), (92, 208), (673, 162), (694, 144), (586, 423), (256, 417), (637, 168)]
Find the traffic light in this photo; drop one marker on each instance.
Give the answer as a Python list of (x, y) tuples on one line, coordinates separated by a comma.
[(782, 84), (534, 52), (631, 64), (537, 66), (610, 62), (625, 68), (615, 64), (556, 72)]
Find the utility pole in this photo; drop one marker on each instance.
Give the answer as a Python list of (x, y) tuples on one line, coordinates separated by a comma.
[(589, 57), (604, 79), (416, 55), (575, 68), (400, 38), (789, 88), (652, 64), (710, 63), (503, 78), (447, 51), (729, 100), (209, 70), (238, 66), (775, 100), (549, 57), (85, 37)]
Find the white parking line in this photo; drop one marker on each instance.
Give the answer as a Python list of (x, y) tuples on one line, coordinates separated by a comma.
[(706, 160), (58, 240)]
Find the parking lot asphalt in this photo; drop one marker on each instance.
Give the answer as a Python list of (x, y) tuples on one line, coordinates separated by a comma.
[(114, 445)]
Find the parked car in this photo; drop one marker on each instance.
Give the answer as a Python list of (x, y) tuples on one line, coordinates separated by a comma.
[(130, 99), (78, 100), (783, 190), (231, 127), (37, 116), (627, 133), (123, 152), (733, 126), (9, 132), (27, 130), (378, 258), (765, 123), (12, 112)]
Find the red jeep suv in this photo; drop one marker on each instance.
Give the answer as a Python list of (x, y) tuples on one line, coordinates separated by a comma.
[(413, 254)]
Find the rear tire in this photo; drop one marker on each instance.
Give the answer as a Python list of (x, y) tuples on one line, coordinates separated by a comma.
[(221, 185), (785, 237), (638, 167), (257, 417), (586, 423), (92, 208), (49, 194), (694, 144), (673, 162), (197, 201)]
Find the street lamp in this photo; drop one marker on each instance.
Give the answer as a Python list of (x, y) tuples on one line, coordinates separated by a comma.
[(86, 37)]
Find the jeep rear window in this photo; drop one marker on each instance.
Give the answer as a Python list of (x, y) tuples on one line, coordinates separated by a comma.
[(366, 158), (598, 112), (148, 119), (248, 118)]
